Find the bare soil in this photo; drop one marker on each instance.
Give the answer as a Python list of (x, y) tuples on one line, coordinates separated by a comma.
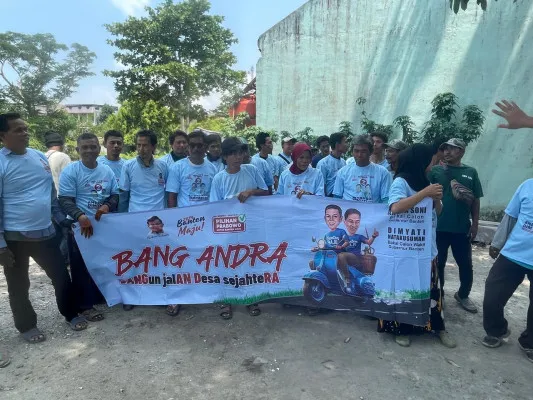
[(282, 354)]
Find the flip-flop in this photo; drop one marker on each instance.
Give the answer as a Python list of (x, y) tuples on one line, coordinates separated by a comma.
[(4, 360), (78, 323), (33, 333), (173, 309), (226, 311), (93, 315), (254, 310)]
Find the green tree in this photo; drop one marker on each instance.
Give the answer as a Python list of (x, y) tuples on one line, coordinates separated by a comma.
[(306, 136), (105, 112), (445, 122), (406, 124), (134, 116), (37, 72), (174, 55), (369, 126)]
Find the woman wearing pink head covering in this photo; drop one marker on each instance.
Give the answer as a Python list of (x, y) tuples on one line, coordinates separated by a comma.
[(300, 178)]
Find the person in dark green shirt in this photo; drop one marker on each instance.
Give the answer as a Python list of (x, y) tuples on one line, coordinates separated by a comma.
[(462, 191)]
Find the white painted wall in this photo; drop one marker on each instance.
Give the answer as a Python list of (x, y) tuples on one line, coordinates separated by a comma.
[(399, 54)]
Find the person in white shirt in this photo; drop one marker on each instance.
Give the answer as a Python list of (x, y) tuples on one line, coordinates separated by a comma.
[(264, 144), (363, 181), (179, 148), (331, 164), (378, 155), (56, 158), (301, 179), (241, 181), (284, 158), (213, 151)]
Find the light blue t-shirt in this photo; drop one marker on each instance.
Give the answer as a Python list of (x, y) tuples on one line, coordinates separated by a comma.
[(90, 187), (218, 164), (311, 181), (116, 167), (519, 245), (227, 186), (350, 160), (383, 163), (145, 184), (399, 190), (25, 190), (275, 166), (283, 161), (368, 184), (169, 160), (191, 182), (264, 170), (329, 166)]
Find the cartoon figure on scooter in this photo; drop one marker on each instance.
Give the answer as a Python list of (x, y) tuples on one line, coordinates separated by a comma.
[(327, 275)]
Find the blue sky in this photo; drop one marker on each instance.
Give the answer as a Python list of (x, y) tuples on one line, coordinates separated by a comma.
[(82, 21)]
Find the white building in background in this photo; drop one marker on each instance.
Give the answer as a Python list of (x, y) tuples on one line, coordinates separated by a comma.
[(88, 113)]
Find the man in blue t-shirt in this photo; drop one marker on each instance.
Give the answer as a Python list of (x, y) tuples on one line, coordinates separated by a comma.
[(331, 164), (363, 181), (144, 177), (352, 221), (512, 247), (323, 146), (179, 148), (86, 189), (213, 154), (113, 143), (264, 144), (28, 203)]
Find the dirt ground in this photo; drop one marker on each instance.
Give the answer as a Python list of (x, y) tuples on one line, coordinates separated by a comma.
[(282, 354)]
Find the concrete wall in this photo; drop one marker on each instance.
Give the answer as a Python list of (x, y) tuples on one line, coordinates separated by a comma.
[(399, 54)]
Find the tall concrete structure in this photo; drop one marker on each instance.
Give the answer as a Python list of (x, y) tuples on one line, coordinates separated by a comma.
[(399, 54)]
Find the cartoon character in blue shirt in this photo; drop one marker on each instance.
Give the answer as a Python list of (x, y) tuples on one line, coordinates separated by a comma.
[(336, 238)]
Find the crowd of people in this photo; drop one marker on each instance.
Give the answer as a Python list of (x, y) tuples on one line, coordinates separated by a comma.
[(42, 195)]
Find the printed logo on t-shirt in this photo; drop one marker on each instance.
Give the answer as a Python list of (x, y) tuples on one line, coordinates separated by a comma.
[(363, 190), (528, 226), (161, 180), (199, 189), (98, 192)]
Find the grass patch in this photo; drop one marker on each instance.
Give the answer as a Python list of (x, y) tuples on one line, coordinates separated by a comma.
[(260, 297), (410, 294)]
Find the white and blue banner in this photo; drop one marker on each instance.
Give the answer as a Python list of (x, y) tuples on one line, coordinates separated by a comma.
[(324, 252)]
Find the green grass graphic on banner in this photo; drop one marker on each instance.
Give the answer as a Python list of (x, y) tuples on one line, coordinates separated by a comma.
[(260, 297)]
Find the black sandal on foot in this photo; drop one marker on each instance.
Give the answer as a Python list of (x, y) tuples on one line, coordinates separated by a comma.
[(254, 310), (93, 315), (226, 312), (78, 323), (34, 335)]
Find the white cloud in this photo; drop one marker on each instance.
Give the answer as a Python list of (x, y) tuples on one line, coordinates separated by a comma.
[(131, 7), (210, 102)]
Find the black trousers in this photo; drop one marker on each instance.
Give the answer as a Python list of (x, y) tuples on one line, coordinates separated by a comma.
[(462, 252), (504, 277), (46, 253), (84, 286)]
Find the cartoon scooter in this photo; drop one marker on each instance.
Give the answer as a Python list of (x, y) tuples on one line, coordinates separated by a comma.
[(326, 278)]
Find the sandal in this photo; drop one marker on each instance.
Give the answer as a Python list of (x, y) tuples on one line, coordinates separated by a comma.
[(78, 323), (4, 360), (226, 311), (93, 315), (173, 309), (34, 335), (254, 310)]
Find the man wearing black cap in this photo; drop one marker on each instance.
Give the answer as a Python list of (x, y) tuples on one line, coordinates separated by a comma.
[(56, 158), (461, 193)]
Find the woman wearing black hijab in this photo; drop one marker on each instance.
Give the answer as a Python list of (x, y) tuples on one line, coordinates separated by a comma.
[(410, 187)]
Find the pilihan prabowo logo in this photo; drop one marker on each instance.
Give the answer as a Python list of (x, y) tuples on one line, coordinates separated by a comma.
[(229, 223)]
